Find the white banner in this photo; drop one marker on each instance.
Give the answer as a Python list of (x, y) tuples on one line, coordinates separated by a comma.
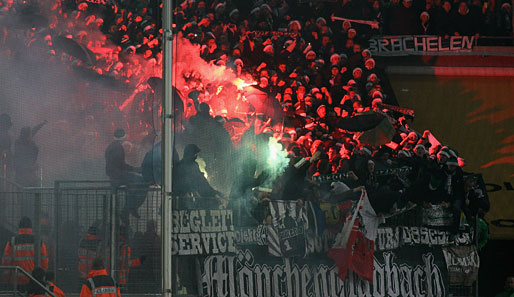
[(419, 45)]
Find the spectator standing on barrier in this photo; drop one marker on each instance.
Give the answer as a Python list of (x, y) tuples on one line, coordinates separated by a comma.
[(119, 172), (25, 156), (190, 181), (508, 290), (99, 283), (36, 290), (89, 249), (122, 174), (20, 251)]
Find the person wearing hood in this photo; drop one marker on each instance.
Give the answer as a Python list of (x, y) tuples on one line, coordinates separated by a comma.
[(189, 179)]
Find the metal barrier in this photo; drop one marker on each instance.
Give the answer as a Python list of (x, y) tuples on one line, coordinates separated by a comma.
[(18, 270)]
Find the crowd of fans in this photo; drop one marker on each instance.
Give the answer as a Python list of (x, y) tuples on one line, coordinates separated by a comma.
[(318, 75), (316, 70), (321, 75)]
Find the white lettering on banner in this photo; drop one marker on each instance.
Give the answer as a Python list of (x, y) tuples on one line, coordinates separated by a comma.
[(419, 42), (252, 236), (372, 46), (432, 44), (229, 276), (390, 239), (405, 40), (401, 45), (202, 232)]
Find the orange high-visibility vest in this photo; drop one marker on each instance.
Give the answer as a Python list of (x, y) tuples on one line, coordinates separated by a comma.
[(20, 252)]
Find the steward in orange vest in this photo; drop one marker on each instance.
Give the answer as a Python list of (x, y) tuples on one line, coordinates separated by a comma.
[(19, 251), (126, 261), (99, 283), (89, 249)]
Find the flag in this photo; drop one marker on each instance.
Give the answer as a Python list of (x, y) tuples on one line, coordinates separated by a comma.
[(286, 233), (354, 245), (379, 135)]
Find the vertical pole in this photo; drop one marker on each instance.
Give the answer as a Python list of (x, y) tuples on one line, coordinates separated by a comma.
[(167, 147), (37, 229), (114, 219), (475, 231), (57, 228)]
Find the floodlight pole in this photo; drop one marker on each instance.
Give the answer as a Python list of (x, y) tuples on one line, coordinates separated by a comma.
[(167, 147)]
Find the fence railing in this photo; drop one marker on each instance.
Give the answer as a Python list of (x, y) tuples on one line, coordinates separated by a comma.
[(14, 272)]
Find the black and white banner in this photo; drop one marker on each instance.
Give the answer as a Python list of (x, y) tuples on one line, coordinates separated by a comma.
[(202, 232), (391, 238), (462, 263), (419, 45), (408, 272)]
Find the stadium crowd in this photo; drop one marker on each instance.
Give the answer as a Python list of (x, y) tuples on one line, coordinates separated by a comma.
[(320, 79), (317, 72)]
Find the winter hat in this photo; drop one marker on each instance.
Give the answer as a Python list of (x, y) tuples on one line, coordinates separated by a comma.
[(370, 63), (376, 101), (333, 57), (119, 134), (352, 32), (266, 7), (310, 53), (405, 153), (321, 20), (255, 10), (444, 152), (356, 69), (234, 11), (367, 149), (377, 94), (238, 62), (372, 77), (351, 83), (268, 49), (452, 161), (322, 106), (420, 146), (297, 23), (347, 24)]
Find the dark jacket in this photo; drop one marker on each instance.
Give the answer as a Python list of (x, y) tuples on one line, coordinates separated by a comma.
[(115, 165)]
